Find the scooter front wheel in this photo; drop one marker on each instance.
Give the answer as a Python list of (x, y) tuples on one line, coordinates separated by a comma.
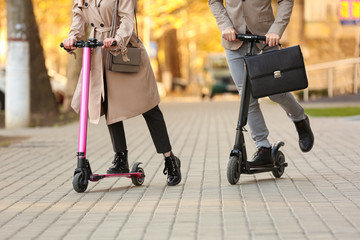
[(280, 165), (234, 169), (79, 182)]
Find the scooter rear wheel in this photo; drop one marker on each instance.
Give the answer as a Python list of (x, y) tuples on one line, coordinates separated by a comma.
[(79, 183), (135, 180), (279, 162), (234, 169)]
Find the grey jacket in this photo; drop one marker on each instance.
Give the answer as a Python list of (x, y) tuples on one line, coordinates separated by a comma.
[(255, 15)]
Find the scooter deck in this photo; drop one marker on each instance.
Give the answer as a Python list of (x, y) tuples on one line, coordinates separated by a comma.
[(263, 169), (97, 177)]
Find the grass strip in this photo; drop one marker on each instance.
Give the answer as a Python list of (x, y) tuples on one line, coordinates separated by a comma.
[(333, 111)]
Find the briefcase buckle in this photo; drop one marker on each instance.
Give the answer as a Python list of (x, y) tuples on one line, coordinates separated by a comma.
[(277, 74)]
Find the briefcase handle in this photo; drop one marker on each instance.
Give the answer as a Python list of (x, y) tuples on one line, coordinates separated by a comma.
[(266, 45)]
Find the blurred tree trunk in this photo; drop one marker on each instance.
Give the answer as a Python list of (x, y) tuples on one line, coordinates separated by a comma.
[(298, 17), (2, 10), (17, 95), (172, 58), (73, 72), (43, 101), (357, 42), (172, 53)]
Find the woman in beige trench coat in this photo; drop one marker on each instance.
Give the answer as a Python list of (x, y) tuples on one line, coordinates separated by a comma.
[(120, 95)]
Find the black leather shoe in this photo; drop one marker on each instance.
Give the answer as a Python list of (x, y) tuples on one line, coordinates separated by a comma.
[(262, 158), (120, 163), (306, 137), (172, 169)]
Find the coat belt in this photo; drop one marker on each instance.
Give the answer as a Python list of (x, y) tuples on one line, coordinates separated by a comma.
[(99, 29)]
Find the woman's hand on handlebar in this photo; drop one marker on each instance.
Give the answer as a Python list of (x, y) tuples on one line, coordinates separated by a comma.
[(229, 34), (272, 39), (69, 44), (108, 44)]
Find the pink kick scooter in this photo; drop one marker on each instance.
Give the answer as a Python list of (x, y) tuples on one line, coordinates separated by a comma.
[(83, 172)]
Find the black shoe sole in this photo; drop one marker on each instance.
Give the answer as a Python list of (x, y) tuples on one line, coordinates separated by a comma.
[(311, 146), (306, 150), (175, 183)]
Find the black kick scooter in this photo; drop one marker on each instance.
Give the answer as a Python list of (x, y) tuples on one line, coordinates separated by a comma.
[(238, 163)]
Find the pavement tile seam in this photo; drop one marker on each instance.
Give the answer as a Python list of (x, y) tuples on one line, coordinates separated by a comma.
[(193, 150), (292, 209), (144, 231), (134, 204), (99, 219), (202, 206), (184, 176), (338, 190), (28, 194), (58, 200), (224, 233), (268, 209), (14, 178), (316, 192), (245, 210), (311, 203)]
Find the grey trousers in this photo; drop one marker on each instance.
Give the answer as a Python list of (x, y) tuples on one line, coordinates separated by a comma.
[(258, 130)]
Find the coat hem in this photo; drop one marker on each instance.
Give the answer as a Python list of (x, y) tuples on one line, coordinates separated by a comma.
[(108, 122)]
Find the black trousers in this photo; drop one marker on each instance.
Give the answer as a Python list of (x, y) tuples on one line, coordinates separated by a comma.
[(154, 120), (157, 127)]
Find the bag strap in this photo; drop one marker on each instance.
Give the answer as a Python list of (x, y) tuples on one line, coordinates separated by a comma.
[(112, 32), (113, 28), (137, 29)]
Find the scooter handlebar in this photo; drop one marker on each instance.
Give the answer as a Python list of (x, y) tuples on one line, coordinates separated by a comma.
[(92, 43), (250, 38)]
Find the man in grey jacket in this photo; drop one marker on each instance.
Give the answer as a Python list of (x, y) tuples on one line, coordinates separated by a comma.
[(257, 17)]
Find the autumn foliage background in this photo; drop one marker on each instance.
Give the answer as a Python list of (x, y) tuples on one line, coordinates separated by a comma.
[(179, 34), (182, 32)]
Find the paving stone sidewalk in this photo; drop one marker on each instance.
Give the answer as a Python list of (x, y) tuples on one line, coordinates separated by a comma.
[(318, 196)]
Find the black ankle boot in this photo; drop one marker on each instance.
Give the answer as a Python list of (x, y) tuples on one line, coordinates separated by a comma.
[(120, 163), (262, 158), (306, 137), (172, 169)]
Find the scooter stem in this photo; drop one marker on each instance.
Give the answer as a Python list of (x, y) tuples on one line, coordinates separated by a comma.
[(85, 79)]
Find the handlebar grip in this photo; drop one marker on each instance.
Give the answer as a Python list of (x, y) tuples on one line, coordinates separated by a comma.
[(78, 44), (99, 44), (250, 37), (262, 38)]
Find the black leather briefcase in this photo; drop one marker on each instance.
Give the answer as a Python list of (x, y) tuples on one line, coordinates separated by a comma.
[(277, 71)]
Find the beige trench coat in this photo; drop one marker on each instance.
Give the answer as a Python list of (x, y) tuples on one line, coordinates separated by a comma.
[(128, 94), (256, 15)]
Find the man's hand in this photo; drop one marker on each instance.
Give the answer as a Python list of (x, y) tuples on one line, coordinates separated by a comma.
[(272, 39), (229, 34)]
